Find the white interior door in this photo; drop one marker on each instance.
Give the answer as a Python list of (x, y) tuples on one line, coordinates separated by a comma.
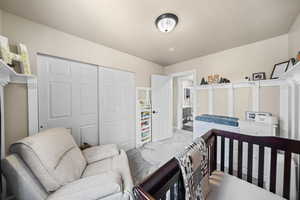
[(161, 87), (117, 108), (68, 97)]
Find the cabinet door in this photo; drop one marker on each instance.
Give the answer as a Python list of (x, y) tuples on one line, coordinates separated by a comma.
[(117, 108), (68, 97)]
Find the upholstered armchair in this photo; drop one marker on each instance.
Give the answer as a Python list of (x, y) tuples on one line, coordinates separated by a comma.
[(50, 166)]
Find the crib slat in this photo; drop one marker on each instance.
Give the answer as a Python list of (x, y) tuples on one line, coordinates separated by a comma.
[(180, 189), (222, 153), (172, 192), (212, 156), (215, 153), (273, 170), (261, 161), (287, 175), (250, 162), (230, 170), (240, 159)]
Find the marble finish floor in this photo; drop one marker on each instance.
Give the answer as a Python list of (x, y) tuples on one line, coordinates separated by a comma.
[(145, 160)]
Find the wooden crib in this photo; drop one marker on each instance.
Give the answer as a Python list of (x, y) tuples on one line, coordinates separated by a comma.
[(168, 178)]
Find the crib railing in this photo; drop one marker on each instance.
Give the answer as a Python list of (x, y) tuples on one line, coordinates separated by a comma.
[(167, 180)]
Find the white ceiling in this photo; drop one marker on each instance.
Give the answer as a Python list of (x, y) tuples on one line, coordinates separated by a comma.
[(205, 26)]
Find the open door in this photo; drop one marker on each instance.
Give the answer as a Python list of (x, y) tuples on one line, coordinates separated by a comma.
[(161, 107)]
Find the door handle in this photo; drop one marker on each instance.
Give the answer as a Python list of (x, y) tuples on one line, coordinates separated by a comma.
[(154, 112)]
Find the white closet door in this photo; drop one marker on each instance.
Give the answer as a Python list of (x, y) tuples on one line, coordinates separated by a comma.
[(87, 110), (161, 88), (117, 108), (68, 97)]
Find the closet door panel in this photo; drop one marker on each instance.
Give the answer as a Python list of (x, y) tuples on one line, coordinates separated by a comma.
[(68, 97), (88, 108), (55, 93), (117, 108)]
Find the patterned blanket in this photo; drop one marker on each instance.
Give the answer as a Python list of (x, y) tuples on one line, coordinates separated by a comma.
[(193, 163)]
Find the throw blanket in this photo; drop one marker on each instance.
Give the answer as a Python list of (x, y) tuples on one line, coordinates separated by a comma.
[(193, 163)]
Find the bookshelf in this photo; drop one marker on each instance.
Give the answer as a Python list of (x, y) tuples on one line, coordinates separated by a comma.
[(143, 116)]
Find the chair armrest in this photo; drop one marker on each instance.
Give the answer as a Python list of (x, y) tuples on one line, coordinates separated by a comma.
[(101, 152), (90, 188)]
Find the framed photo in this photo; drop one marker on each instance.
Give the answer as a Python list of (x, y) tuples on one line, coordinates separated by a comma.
[(216, 78), (250, 115), (210, 79), (279, 69), (291, 64), (259, 76)]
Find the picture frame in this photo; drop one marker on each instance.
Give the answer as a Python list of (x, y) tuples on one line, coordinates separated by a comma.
[(216, 78), (259, 76), (279, 69), (210, 79), (291, 64), (250, 115)]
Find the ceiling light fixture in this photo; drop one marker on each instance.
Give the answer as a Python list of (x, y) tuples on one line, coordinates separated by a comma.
[(166, 22)]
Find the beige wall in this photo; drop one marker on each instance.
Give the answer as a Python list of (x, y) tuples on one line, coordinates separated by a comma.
[(43, 39), (15, 113), (294, 38), (238, 62), (235, 64)]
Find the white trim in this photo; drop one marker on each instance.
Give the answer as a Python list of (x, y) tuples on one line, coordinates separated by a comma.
[(231, 102), (3, 194), (179, 114), (285, 106), (256, 98), (184, 73), (179, 104), (211, 101), (295, 108), (33, 120)]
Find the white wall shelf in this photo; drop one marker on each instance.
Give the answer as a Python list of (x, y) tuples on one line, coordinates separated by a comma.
[(8, 75), (289, 84), (243, 84)]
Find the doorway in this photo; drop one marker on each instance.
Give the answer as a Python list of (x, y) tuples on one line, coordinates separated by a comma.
[(183, 100)]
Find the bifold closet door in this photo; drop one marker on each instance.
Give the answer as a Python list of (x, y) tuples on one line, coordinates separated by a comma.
[(68, 97), (117, 108)]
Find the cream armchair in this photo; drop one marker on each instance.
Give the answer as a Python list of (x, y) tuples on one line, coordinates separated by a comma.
[(50, 166)]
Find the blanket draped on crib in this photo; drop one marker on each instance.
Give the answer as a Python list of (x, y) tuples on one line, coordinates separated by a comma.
[(193, 162)]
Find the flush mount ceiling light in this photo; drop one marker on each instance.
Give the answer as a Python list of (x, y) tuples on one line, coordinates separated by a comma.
[(166, 22)]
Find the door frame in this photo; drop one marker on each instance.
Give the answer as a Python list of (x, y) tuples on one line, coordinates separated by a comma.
[(179, 99)]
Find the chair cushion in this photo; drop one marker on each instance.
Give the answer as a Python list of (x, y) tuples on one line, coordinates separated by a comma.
[(227, 187), (117, 164), (98, 167), (90, 188), (101, 152), (53, 157)]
